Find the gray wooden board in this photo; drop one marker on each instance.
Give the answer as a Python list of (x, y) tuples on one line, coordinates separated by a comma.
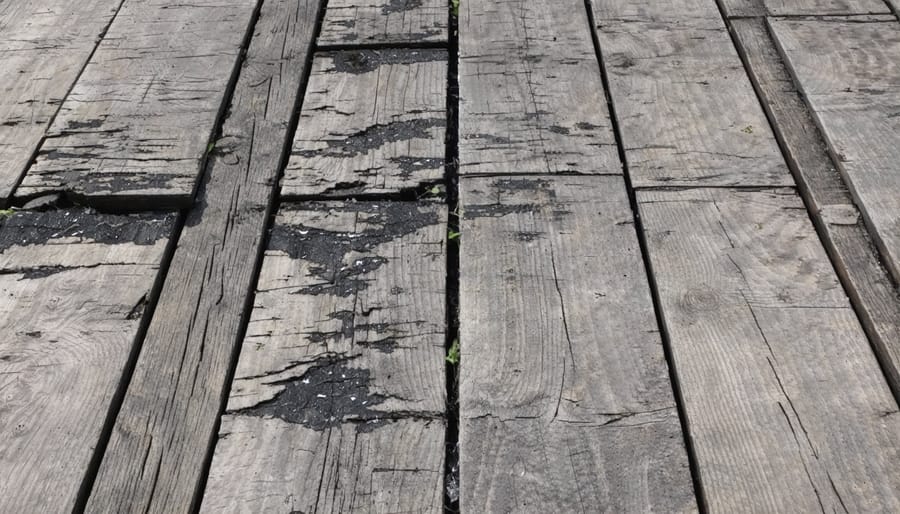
[(832, 209), (531, 93), (155, 458), (803, 7), (133, 131), (565, 398), (43, 48), (850, 76), (74, 285), (338, 399), (373, 121), (786, 406), (351, 22)]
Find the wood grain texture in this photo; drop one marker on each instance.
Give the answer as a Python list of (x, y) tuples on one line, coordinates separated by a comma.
[(531, 94), (373, 121), (338, 398), (74, 285), (43, 48), (850, 77), (155, 458), (787, 408), (803, 7), (134, 130), (565, 398), (351, 22), (832, 210)]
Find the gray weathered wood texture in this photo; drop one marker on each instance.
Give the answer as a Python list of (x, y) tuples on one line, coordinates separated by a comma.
[(74, 285), (355, 22), (786, 406), (803, 7), (373, 121), (565, 398), (43, 48), (134, 130), (850, 76), (338, 399), (531, 93), (831, 206), (686, 109), (155, 458)]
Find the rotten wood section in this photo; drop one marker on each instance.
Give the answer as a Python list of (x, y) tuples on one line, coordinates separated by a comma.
[(338, 399), (352, 22), (850, 77), (134, 130), (74, 285), (686, 109), (373, 122), (155, 460), (531, 92), (757, 8), (565, 397), (43, 48), (786, 405)]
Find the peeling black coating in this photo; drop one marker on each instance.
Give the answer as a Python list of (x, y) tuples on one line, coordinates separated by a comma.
[(413, 164), (35, 228), (365, 61), (400, 6), (376, 136)]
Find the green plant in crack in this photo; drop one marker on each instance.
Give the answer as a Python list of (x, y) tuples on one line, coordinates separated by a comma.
[(453, 352), (454, 8), (453, 235)]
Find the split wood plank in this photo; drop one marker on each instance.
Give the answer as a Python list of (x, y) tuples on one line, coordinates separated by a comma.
[(74, 285), (351, 22), (786, 405), (373, 121), (850, 77), (155, 458), (565, 397), (531, 93), (338, 399), (686, 109), (134, 130), (735, 8), (43, 48)]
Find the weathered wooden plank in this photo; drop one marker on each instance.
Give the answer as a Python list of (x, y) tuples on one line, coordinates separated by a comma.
[(850, 77), (832, 209), (134, 130), (338, 399), (803, 7), (531, 94), (373, 121), (155, 457), (787, 408), (565, 398), (351, 22), (686, 110), (43, 48), (74, 285)]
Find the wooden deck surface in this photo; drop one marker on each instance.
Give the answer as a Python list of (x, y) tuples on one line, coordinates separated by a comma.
[(471, 256)]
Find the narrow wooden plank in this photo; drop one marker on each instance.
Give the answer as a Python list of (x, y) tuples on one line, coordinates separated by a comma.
[(686, 109), (787, 408), (155, 459), (849, 76), (338, 399), (531, 94), (351, 22), (43, 48), (803, 7), (373, 121), (134, 130), (74, 285), (565, 398)]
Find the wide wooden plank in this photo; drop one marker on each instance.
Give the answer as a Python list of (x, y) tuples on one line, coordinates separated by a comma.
[(531, 93), (686, 109), (74, 285), (373, 121), (849, 75), (134, 130), (565, 399), (351, 22), (803, 7), (156, 454), (338, 399), (786, 405), (43, 48)]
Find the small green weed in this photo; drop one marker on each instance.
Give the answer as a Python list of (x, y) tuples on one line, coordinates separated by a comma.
[(5, 213), (453, 235), (453, 353), (454, 8)]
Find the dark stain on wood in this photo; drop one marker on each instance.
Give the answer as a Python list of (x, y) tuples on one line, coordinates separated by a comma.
[(36, 228), (364, 61)]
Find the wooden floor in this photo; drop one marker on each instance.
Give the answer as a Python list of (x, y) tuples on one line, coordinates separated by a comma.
[(405, 256)]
